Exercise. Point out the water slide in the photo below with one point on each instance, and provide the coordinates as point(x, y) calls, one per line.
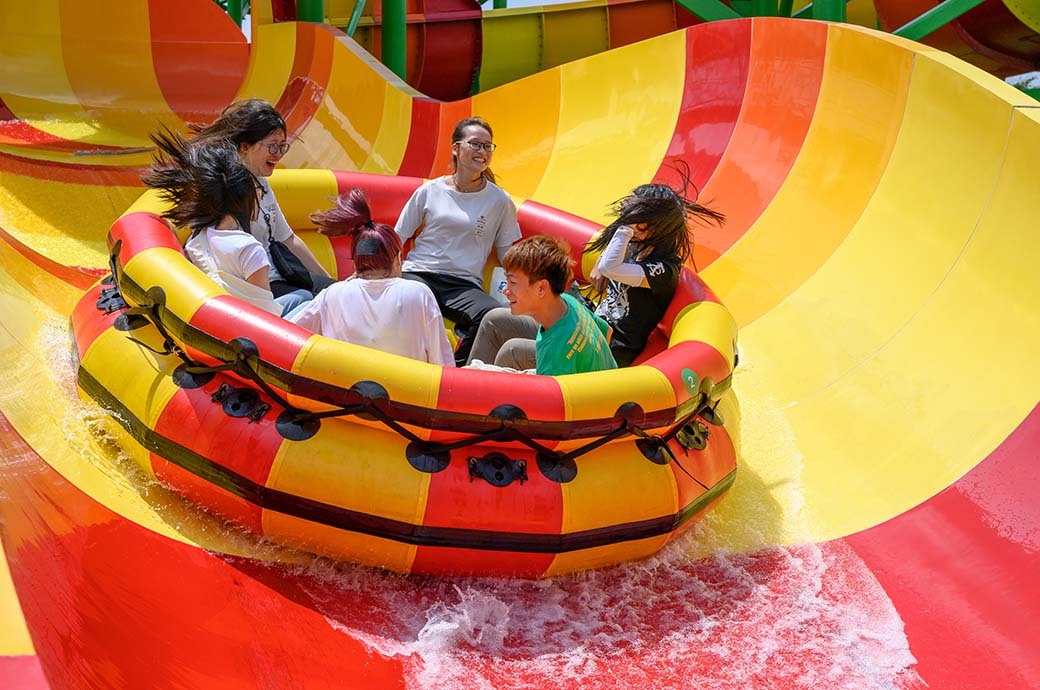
point(883, 530)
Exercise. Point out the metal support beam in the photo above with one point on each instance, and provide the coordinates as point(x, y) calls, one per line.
point(355, 17)
point(829, 10)
point(763, 8)
point(395, 37)
point(234, 10)
point(931, 20)
point(808, 11)
point(310, 11)
point(708, 10)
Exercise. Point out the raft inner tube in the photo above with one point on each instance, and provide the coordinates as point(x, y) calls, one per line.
point(379, 459)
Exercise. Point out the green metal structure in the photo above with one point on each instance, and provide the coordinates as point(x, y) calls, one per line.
point(395, 36)
point(394, 28)
point(936, 17)
point(311, 11)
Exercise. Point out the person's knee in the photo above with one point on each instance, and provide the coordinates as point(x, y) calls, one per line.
point(496, 319)
point(291, 300)
point(516, 353)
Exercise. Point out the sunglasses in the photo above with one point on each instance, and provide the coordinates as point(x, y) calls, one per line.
point(278, 149)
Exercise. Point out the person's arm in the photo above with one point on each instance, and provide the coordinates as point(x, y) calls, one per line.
point(508, 232)
point(304, 254)
point(611, 263)
point(412, 215)
point(308, 315)
point(259, 278)
point(281, 231)
point(251, 263)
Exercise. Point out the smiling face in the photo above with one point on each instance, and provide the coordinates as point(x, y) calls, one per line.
point(471, 162)
point(524, 296)
point(262, 157)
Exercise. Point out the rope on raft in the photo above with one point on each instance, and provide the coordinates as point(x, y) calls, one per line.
point(298, 424)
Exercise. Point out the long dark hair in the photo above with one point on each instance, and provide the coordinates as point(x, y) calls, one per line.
point(202, 183)
point(457, 136)
point(666, 212)
point(373, 246)
point(243, 122)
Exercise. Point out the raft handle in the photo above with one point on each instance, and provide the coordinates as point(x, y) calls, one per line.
point(497, 469)
point(110, 300)
point(240, 402)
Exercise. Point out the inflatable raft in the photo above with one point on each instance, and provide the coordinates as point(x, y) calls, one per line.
point(373, 458)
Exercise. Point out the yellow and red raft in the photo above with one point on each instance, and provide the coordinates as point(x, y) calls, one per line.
point(373, 458)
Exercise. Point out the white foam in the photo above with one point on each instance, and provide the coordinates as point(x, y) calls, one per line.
point(804, 617)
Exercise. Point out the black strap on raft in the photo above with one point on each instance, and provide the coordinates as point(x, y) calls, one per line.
point(373, 401)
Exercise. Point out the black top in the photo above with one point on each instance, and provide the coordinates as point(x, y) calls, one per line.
point(633, 312)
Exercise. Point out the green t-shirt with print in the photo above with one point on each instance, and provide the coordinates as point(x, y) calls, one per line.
point(575, 344)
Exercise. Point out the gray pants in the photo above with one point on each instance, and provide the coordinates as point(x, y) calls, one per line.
point(505, 340)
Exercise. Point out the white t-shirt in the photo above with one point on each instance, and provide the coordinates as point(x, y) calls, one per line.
point(459, 229)
point(389, 314)
point(269, 214)
point(229, 257)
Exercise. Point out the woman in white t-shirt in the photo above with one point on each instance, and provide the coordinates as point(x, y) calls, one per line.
point(257, 131)
point(376, 307)
point(463, 217)
point(212, 192)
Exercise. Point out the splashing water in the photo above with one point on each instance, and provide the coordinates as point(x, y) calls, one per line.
point(804, 617)
point(695, 615)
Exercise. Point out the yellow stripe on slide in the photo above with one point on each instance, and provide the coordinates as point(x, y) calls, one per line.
point(271, 61)
point(613, 134)
point(883, 386)
point(525, 136)
point(342, 140)
point(125, 101)
point(14, 636)
point(391, 140)
point(854, 127)
point(35, 86)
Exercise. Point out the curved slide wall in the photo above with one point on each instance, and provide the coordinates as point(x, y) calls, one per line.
point(878, 258)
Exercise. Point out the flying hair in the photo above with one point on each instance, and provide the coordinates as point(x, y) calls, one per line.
point(666, 212)
point(202, 183)
point(243, 122)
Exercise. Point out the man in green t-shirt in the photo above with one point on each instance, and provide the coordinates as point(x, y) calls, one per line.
point(571, 339)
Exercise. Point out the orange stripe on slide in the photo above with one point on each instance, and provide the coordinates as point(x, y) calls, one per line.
point(187, 48)
point(782, 90)
point(310, 73)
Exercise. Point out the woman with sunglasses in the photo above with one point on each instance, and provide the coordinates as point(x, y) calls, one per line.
point(256, 130)
point(463, 217)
